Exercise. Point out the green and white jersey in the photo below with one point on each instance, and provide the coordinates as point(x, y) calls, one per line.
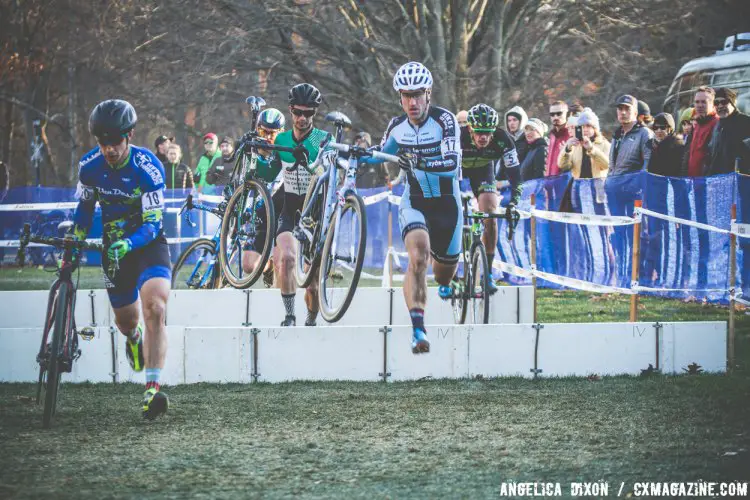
point(298, 180)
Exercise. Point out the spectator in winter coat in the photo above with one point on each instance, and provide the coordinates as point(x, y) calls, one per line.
point(667, 148)
point(699, 157)
point(727, 143)
point(161, 147)
point(587, 158)
point(534, 164)
point(177, 174)
point(629, 152)
point(211, 153)
point(558, 135)
point(221, 169)
point(515, 123)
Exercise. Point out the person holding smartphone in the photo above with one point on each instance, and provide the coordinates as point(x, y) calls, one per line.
point(586, 154)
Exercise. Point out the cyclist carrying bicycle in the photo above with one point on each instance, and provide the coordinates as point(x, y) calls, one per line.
point(304, 100)
point(487, 152)
point(128, 183)
point(427, 140)
point(271, 123)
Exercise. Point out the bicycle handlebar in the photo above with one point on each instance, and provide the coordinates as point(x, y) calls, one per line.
point(358, 152)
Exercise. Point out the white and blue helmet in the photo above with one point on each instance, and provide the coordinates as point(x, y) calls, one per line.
point(412, 76)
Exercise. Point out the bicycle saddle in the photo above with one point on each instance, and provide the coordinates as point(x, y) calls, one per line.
point(339, 119)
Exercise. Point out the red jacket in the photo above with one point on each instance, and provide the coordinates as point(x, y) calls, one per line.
point(699, 155)
point(556, 142)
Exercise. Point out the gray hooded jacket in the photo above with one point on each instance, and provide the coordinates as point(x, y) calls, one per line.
point(522, 147)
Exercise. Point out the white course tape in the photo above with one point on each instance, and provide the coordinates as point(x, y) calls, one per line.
point(370, 200)
point(739, 229)
point(585, 219)
point(393, 199)
point(16, 243)
point(19, 207)
point(638, 288)
point(511, 269)
point(677, 220)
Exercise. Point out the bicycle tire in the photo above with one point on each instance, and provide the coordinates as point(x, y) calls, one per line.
point(237, 210)
point(329, 311)
point(459, 301)
point(60, 329)
point(306, 257)
point(479, 285)
point(201, 244)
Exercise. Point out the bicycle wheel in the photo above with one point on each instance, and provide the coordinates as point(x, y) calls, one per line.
point(196, 267)
point(479, 289)
point(342, 258)
point(239, 228)
point(459, 301)
point(63, 315)
point(307, 256)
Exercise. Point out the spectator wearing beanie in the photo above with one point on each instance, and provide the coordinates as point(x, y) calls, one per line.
point(685, 127)
point(221, 169)
point(515, 123)
point(644, 114)
point(630, 151)
point(587, 158)
point(667, 148)
point(727, 143)
point(706, 119)
point(535, 162)
point(210, 153)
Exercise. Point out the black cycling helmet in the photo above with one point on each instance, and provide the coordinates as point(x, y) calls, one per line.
point(305, 94)
point(483, 118)
point(111, 120)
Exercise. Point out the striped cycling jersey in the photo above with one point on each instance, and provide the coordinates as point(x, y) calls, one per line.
point(296, 181)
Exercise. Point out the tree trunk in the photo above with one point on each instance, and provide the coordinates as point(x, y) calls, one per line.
point(72, 130)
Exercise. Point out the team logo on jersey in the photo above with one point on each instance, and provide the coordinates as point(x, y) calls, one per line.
point(144, 162)
point(84, 193)
point(88, 159)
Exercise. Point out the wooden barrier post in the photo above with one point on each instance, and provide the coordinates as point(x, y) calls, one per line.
point(533, 253)
point(732, 284)
point(636, 265)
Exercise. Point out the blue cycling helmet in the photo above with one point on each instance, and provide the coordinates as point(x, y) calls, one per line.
point(272, 118)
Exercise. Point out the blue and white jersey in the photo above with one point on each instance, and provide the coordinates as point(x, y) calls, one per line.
point(437, 144)
point(131, 196)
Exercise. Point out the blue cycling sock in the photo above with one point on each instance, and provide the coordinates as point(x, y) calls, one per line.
point(417, 318)
point(153, 375)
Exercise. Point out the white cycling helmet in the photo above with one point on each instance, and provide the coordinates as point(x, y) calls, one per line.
point(412, 76)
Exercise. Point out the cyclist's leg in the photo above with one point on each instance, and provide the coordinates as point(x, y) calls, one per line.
point(488, 202)
point(417, 241)
point(446, 227)
point(311, 301)
point(284, 256)
point(123, 297)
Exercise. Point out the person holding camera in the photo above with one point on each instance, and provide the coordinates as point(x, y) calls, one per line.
point(586, 153)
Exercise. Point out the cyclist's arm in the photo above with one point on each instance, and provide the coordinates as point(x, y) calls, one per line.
point(83, 216)
point(387, 145)
point(152, 214)
point(512, 168)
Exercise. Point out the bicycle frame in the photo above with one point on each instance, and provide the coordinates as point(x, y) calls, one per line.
point(212, 264)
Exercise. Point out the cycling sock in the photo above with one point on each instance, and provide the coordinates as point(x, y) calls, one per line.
point(417, 318)
point(490, 258)
point(152, 378)
point(311, 315)
point(133, 335)
point(288, 303)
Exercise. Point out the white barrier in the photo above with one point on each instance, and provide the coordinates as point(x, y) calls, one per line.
point(262, 307)
point(369, 353)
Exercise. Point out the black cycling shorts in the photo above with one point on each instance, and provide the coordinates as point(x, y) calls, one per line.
point(137, 267)
point(290, 213)
point(441, 217)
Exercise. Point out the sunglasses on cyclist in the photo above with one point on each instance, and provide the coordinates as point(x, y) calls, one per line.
point(307, 113)
point(110, 140)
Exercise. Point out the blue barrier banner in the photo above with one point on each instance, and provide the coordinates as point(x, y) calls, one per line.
point(677, 260)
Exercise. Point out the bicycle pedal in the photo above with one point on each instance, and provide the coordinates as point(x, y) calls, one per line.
point(87, 333)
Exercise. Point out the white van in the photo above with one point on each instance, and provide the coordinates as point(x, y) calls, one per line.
point(729, 67)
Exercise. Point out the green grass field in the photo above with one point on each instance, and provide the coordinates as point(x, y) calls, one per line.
point(431, 439)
